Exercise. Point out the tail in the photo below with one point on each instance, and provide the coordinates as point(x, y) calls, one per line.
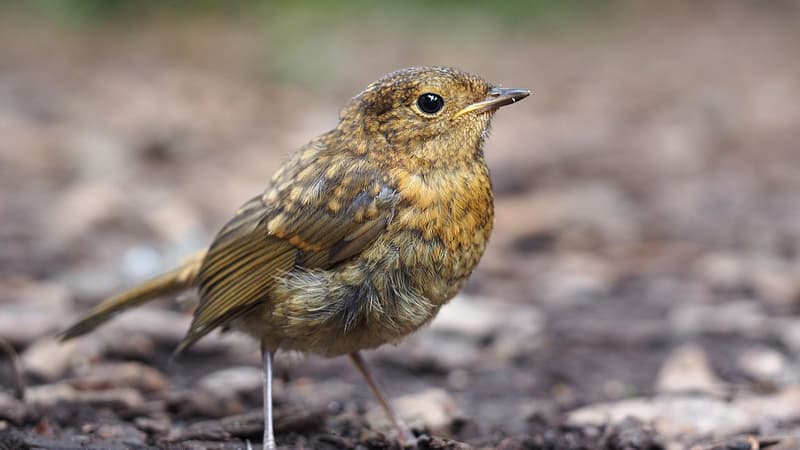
point(172, 282)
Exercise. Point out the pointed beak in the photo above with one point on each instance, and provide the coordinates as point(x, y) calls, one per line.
point(497, 97)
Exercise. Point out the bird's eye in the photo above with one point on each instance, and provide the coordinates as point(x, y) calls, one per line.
point(430, 103)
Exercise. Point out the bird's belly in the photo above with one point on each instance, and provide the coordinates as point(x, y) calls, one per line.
point(335, 312)
point(389, 291)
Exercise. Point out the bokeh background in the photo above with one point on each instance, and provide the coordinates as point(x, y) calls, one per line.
point(640, 291)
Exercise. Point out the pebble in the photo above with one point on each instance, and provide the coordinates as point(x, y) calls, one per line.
point(192, 403)
point(721, 270)
point(232, 381)
point(165, 327)
point(469, 316)
point(432, 409)
point(672, 416)
point(133, 374)
point(479, 317)
point(150, 425)
point(683, 416)
point(572, 279)
point(30, 310)
point(772, 279)
point(743, 317)
point(465, 324)
point(441, 353)
point(687, 370)
point(123, 433)
point(84, 207)
point(763, 363)
point(316, 392)
point(777, 282)
point(118, 398)
point(780, 406)
point(787, 331)
point(211, 430)
point(49, 358)
point(11, 409)
point(140, 263)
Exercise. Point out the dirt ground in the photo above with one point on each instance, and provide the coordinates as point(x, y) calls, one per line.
point(641, 290)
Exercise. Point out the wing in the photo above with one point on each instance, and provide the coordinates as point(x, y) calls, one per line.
point(311, 217)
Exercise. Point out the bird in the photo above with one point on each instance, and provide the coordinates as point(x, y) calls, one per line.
point(360, 237)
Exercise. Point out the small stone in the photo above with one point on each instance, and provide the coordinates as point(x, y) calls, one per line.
point(687, 370)
point(163, 326)
point(11, 409)
point(85, 206)
point(30, 310)
point(439, 353)
point(432, 409)
point(150, 425)
point(317, 393)
point(119, 398)
point(206, 430)
point(722, 270)
point(49, 358)
point(120, 375)
point(777, 282)
point(479, 317)
point(193, 403)
point(680, 416)
point(572, 279)
point(778, 407)
point(688, 417)
point(250, 423)
point(122, 433)
point(173, 221)
point(232, 381)
point(469, 316)
point(513, 329)
point(738, 317)
point(763, 363)
point(140, 262)
point(50, 394)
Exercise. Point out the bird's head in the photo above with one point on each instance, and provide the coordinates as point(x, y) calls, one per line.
point(432, 113)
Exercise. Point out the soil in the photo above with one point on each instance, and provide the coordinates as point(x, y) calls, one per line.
point(640, 291)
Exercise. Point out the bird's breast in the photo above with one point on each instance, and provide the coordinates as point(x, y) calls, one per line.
point(443, 224)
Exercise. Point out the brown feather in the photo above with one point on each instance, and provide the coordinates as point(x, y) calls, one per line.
point(262, 243)
point(171, 282)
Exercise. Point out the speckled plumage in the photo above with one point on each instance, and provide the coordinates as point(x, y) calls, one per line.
point(369, 228)
point(361, 236)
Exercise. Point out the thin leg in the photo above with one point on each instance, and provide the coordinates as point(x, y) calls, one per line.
point(269, 432)
point(404, 434)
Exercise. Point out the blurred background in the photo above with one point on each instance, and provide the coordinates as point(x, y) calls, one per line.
point(644, 263)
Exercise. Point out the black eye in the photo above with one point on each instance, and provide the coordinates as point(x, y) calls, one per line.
point(430, 103)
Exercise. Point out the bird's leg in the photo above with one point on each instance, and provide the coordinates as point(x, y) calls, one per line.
point(404, 434)
point(269, 432)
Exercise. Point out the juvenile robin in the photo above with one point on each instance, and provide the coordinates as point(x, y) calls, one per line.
point(360, 237)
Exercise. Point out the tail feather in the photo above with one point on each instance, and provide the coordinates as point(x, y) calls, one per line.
point(171, 282)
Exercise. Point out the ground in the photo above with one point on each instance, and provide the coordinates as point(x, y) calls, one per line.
point(640, 290)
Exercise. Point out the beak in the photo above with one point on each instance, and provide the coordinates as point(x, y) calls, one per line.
point(497, 97)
